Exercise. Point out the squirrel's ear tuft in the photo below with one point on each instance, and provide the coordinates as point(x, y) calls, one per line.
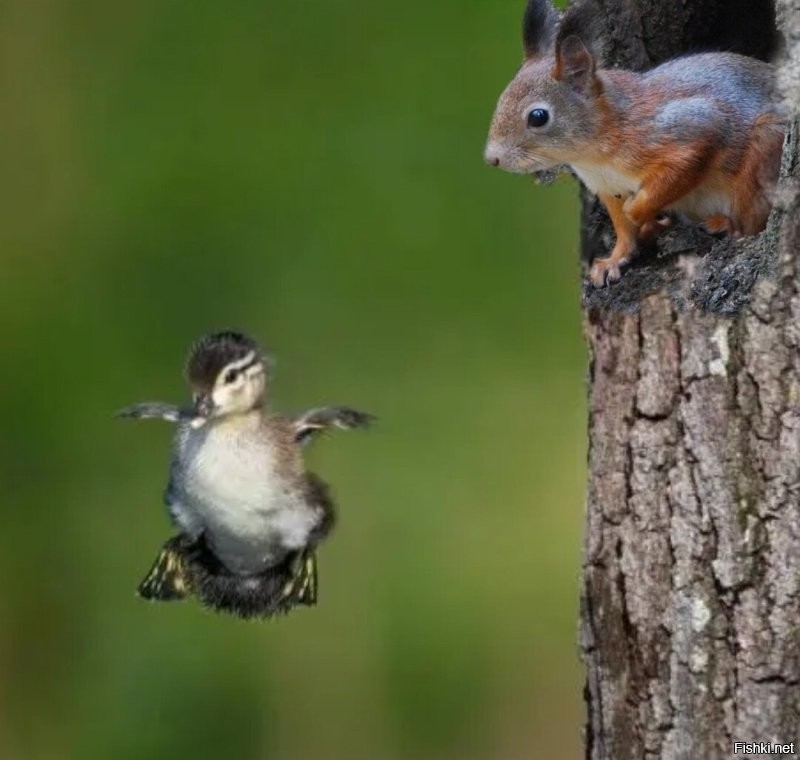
point(575, 63)
point(538, 28)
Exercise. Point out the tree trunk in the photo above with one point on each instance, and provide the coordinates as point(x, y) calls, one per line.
point(690, 621)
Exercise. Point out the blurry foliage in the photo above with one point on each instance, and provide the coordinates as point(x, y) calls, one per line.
point(310, 172)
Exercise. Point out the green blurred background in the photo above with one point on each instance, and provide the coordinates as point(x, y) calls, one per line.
point(310, 172)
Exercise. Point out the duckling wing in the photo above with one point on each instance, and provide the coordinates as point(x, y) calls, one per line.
point(156, 410)
point(307, 425)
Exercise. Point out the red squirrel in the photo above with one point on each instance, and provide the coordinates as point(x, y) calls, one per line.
point(700, 135)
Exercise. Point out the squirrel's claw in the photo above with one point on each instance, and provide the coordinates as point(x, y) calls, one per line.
point(606, 271)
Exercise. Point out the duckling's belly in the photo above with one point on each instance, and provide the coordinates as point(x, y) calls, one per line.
point(234, 492)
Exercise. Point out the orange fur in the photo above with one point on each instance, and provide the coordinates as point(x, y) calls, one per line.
point(752, 184)
point(671, 170)
point(700, 135)
point(719, 223)
point(608, 269)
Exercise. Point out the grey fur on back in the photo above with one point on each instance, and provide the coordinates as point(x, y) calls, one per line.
point(746, 83)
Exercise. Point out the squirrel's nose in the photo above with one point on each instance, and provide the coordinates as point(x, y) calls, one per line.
point(491, 156)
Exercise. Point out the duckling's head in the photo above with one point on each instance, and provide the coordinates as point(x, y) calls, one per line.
point(228, 373)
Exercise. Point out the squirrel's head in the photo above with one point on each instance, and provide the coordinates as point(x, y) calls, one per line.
point(548, 113)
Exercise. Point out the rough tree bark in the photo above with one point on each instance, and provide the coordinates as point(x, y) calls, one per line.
point(690, 621)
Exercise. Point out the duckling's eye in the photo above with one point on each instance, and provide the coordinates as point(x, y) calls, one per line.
point(230, 376)
point(538, 117)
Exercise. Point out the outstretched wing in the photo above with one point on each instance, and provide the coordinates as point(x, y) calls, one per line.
point(307, 425)
point(156, 410)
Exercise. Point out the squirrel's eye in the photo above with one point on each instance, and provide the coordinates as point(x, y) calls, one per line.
point(231, 375)
point(538, 117)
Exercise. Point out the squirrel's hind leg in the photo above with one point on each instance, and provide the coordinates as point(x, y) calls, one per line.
point(720, 223)
point(608, 270)
point(664, 185)
point(649, 231)
point(754, 182)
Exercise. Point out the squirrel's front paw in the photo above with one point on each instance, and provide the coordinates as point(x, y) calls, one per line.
point(606, 271)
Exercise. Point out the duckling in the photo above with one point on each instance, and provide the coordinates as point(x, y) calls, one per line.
point(249, 514)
